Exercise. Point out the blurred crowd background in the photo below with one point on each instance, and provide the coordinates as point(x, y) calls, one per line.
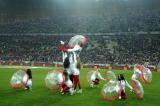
point(119, 31)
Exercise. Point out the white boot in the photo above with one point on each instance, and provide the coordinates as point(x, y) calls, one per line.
point(79, 91)
point(91, 85)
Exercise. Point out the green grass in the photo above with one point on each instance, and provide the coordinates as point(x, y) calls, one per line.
point(40, 96)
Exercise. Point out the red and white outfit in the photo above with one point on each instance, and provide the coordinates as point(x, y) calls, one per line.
point(95, 78)
point(76, 73)
point(125, 84)
point(29, 83)
point(73, 54)
point(137, 73)
point(67, 86)
point(64, 55)
point(76, 49)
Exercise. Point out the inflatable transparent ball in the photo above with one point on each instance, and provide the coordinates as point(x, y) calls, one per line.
point(77, 39)
point(54, 79)
point(89, 76)
point(138, 89)
point(110, 76)
point(111, 91)
point(147, 75)
point(19, 79)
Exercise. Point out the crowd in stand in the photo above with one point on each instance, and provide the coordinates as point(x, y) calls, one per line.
point(131, 21)
point(108, 49)
point(104, 49)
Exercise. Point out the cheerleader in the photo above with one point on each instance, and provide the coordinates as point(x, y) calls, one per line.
point(137, 72)
point(96, 77)
point(67, 86)
point(29, 82)
point(124, 83)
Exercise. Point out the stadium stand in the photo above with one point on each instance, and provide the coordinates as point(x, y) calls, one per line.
point(101, 49)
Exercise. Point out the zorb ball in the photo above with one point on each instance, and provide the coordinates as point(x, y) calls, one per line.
point(19, 80)
point(54, 80)
point(110, 76)
point(138, 89)
point(77, 39)
point(147, 75)
point(89, 76)
point(111, 91)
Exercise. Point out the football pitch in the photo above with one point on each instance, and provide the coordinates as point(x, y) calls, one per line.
point(41, 96)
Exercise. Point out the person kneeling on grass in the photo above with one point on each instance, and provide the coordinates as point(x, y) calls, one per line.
point(96, 76)
point(29, 82)
point(67, 86)
point(124, 84)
